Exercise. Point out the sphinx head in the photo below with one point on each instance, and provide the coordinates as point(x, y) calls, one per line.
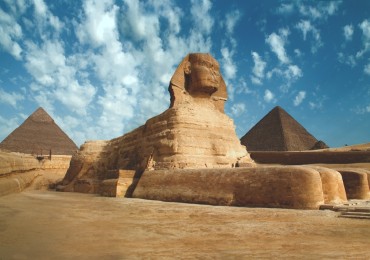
point(198, 75)
point(202, 74)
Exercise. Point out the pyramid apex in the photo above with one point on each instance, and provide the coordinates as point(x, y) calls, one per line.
point(278, 108)
point(40, 115)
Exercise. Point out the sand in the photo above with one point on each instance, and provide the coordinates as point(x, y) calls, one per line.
point(53, 225)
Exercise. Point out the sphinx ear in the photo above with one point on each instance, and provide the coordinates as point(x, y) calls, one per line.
point(187, 68)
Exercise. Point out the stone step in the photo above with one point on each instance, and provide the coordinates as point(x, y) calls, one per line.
point(343, 208)
point(356, 213)
point(355, 216)
point(352, 209)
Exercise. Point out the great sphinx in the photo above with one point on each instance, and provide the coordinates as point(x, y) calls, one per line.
point(194, 132)
point(191, 153)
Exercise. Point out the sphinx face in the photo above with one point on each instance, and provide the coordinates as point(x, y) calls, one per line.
point(204, 74)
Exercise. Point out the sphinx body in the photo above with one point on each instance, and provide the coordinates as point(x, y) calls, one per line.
point(193, 133)
point(188, 154)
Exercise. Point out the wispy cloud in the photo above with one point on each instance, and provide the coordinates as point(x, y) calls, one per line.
point(200, 13)
point(258, 69)
point(231, 19)
point(285, 8)
point(290, 74)
point(8, 125)
point(299, 98)
point(10, 98)
point(362, 110)
point(365, 28)
point(11, 33)
point(238, 109)
point(367, 69)
point(229, 66)
point(277, 44)
point(306, 27)
point(269, 96)
point(347, 59)
point(348, 32)
point(317, 10)
point(321, 10)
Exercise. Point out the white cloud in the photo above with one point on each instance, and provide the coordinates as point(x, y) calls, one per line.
point(277, 43)
point(238, 109)
point(99, 26)
point(7, 125)
point(44, 20)
point(349, 60)
point(348, 32)
point(299, 98)
point(11, 33)
point(269, 96)
point(367, 69)
point(40, 7)
point(285, 8)
point(258, 69)
point(10, 98)
point(365, 28)
point(59, 80)
point(290, 74)
point(228, 65)
point(297, 52)
point(362, 110)
point(231, 20)
point(321, 10)
point(293, 72)
point(306, 27)
point(200, 13)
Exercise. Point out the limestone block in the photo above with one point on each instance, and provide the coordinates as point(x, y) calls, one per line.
point(282, 187)
point(18, 171)
point(108, 188)
point(355, 182)
point(332, 185)
point(117, 183)
point(16, 183)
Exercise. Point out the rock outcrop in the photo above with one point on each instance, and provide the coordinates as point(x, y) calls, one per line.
point(19, 171)
point(355, 182)
point(281, 186)
point(193, 133)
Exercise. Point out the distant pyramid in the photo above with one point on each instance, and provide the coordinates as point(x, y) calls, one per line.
point(39, 134)
point(279, 131)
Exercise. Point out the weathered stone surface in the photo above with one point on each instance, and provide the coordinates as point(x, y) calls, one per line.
point(332, 185)
point(310, 157)
point(18, 171)
point(193, 133)
point(284, 187)
point(355, 182)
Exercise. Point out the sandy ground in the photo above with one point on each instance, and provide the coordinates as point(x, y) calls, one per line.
point(52, 225)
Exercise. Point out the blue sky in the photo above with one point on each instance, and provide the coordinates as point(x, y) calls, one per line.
point(101, 68)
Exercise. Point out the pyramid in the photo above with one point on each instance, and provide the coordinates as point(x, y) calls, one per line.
point(39, 134)
point(279, 131)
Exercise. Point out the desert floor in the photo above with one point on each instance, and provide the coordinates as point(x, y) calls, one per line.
point(52, 225)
